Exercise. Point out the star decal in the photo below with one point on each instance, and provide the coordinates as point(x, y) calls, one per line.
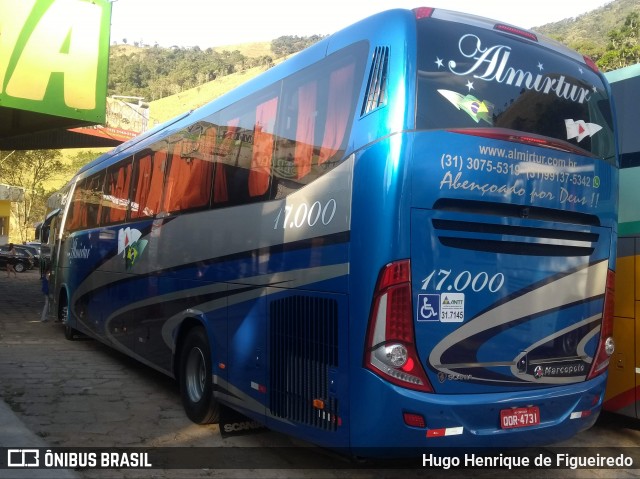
point(540, 67)
point(469, 85)
point(439, 62)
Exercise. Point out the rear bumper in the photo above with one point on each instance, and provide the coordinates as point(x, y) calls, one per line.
point(470, 420)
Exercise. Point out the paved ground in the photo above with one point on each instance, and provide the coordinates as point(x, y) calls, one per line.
point(74, 394)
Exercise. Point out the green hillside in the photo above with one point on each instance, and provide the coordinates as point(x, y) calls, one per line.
point(171, 106)
point(589, 32)
point(592, 26)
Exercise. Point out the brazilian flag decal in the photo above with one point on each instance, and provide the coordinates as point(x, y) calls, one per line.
point(131, 245)
point(133, 252)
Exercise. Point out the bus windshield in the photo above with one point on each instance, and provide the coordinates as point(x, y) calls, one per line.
point(487, 79)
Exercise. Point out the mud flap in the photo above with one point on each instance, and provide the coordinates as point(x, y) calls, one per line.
point(232, 423)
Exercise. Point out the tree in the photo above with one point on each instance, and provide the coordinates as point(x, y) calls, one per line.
point(30, 169)
point(289, 44)
point(80, 159)
point(624, 45)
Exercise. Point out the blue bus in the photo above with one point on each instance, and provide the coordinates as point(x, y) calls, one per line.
point(403, 236)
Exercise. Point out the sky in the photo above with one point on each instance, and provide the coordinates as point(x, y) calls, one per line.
point(211, 23)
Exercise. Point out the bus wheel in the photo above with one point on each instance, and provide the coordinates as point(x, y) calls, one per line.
point(196, 387)
point(69, 332)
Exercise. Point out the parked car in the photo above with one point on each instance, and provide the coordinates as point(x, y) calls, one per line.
point(35, 244)
point(23, 259)
point(41, 261)
point(33, 249)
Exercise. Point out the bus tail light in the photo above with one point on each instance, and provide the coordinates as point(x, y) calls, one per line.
point(414, 420)
point(606, 344)
point(516, 31)
point(390, 351)
point(423, 12)
point(591, 64)
point(517, 137)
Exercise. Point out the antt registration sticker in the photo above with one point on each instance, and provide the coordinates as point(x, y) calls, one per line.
point(452, 307)
point(445, 307)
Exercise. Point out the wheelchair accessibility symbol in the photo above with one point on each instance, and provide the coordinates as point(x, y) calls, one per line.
point(428, 307)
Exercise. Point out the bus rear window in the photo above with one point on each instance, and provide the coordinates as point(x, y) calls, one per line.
point(472, 77)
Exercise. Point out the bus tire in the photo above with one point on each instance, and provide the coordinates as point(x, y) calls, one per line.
point(196, 388)
point(69, 332)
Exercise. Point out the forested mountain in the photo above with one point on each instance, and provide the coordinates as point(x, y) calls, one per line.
point(593, 26)
point(154, 72)
point(610, 34)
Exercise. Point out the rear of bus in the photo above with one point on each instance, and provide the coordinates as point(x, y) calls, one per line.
point(483, 233)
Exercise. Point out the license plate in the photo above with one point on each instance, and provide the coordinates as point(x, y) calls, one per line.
point(519, 417)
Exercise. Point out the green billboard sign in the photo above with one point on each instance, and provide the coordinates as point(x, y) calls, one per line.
point(54, 57)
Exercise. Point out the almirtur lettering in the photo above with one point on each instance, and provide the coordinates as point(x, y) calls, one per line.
point(491, 63)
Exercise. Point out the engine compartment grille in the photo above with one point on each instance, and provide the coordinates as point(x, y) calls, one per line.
point(304, 350)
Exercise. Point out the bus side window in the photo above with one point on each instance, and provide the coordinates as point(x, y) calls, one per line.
point(247, 162)
point(316, 119)
point(260, 173)
point(93, 199)
point(116, 193)
point(340, 104)
point(85, 204)
point(223, 151)
point(148, 173)
point(270, 145)
point(188, 183)
point(296, 139)
point(76, 216)
point(306, 125)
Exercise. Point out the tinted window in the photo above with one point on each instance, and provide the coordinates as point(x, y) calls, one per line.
point(318, 107)
point(86, 202)
point(190, 169)
point(148, 180)
point(259, 148)
point(287, 135)
point(472, 77)
point(116, 193)
point(244, 157)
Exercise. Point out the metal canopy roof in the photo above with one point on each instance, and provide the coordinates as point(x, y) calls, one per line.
point(28, 130)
